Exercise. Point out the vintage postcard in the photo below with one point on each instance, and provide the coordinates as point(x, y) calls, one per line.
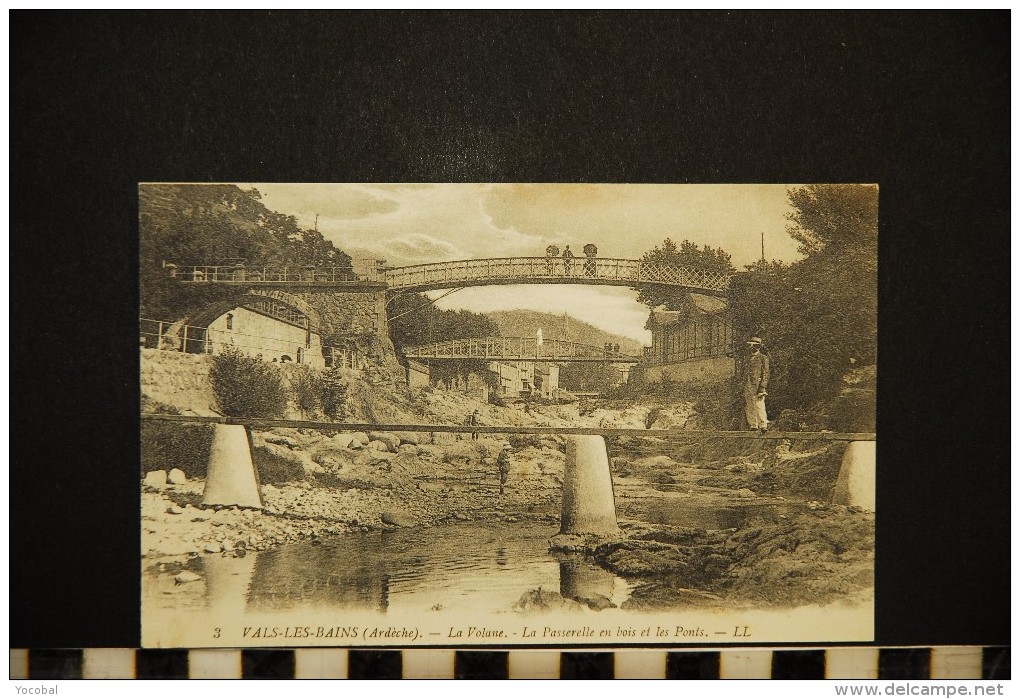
point(507, 414)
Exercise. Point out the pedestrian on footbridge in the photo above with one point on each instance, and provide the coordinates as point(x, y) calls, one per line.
point(590, 251)
point(568, 260)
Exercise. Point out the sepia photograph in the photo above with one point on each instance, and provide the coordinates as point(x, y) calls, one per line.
point(448, 415)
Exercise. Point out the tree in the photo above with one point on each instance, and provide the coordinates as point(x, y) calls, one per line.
point(414, 320)
point(688, 254)
point(818, 316)
point(207, 224)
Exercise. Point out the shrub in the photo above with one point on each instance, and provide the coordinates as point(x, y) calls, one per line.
point(275, 469)
point(306, 386)
point(167, 445)
point(247, 387)
point(333, 394)
point(150, 405)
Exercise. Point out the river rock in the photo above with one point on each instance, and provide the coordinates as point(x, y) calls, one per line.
point(213, 548)
point(186, 576)
point(408, 449)
point(409, 438)
point(361, 438)
point(174, 510)
point(397, 518)
point(156, 479)
point(655, 462)
point(344, 439)
point(176, 477)
point(378, 445)
point(747, 493)
point(280, 439)
point(391, 440)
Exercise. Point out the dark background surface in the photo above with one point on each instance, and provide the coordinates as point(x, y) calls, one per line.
point(918, 102)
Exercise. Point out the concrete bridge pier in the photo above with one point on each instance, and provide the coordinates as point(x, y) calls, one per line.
point(855, 484)
point(230, 478)
point(589, 506)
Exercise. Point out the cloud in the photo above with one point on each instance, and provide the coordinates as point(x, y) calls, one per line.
point(627, 220)
point(328, 201)
point(423, 247)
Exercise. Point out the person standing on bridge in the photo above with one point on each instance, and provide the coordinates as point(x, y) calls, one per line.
point(551, 252)
point(503, 464)
point(568, 260)
point(590, 251)
point(756, 383)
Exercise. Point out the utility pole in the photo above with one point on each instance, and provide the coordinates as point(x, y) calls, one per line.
point(763, 248)
point(317, 228)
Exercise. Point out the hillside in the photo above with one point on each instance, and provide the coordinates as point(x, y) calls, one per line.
point(214, 224)
point(524, 323)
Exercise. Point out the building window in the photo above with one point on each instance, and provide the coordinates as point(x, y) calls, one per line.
point(230, 321)
point(300, 355)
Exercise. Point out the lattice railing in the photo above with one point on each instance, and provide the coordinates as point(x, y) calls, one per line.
point(360, 271)
point(554, 269)
point(439, 275)
point(516, 349)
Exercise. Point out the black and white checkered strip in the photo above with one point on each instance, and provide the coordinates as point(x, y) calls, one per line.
point(968, 662)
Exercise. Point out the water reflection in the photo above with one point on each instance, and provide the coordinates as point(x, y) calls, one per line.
point(469, 567)
point(466, 567)
point(583, 581)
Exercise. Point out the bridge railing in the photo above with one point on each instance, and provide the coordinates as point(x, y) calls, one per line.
point(555, 269)
point(275, 275)
point(513, 348)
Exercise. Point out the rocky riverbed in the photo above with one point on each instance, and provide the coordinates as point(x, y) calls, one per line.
point(716, 523)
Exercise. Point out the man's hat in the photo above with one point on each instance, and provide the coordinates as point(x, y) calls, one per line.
point(754, 341)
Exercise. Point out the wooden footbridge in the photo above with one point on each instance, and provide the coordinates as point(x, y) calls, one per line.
point(516, 349)
point(463, 273)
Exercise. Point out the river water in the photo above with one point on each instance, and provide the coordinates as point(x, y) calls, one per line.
point(465, 567)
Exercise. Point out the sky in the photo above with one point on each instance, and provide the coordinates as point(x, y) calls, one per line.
point(414, 223)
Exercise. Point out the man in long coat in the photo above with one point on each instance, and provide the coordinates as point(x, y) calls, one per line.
point(756, 384)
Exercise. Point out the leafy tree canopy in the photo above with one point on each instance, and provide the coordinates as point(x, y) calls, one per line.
point(687, 254)
point(415, 320)
point(834, 219)
point(818, 316)
point(215, 224)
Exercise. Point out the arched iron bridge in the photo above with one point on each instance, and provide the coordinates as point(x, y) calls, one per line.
point(462, 273)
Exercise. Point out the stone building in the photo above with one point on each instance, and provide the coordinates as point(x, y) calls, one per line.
point(522, 379)
point(264, 328)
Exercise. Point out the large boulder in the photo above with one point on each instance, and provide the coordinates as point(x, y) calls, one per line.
point(391, 440)
point(361, 438)
point(409, 438)
point(155, 479)
point(176, 477)
point(378, 445)
point(344, 439)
